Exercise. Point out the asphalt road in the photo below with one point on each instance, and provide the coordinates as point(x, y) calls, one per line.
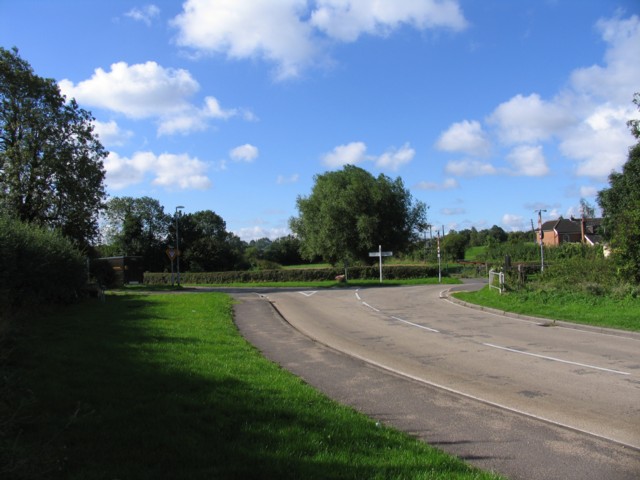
point(506, 394)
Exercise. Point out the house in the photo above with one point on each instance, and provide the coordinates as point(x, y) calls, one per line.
point(572, 230)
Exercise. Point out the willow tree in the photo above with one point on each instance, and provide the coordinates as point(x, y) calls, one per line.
point(350, 212)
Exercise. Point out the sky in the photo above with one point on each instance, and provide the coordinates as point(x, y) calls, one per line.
point(488, 110)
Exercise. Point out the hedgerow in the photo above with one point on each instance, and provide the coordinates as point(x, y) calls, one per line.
point(37, 266)
point(391, 272)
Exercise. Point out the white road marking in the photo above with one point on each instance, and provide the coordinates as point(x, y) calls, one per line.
point(556, 359)
point(308, 294)
point(416, 325)
point(372, 308)
point(358, 296)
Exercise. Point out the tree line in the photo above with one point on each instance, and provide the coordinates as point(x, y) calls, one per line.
point(52, 179)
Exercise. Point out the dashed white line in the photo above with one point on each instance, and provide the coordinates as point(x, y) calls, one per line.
point(416, 325)
point(556, 359)
point(372, 308)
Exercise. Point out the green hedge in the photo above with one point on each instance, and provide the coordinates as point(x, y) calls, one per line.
point(37, 266)
point(391, 272)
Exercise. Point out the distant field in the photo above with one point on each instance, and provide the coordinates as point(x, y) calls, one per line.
point(472, 253)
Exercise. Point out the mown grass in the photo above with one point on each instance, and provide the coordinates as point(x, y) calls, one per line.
point(151, 386)
point(578, 306)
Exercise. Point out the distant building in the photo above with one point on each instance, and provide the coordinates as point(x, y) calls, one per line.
point(572, 230)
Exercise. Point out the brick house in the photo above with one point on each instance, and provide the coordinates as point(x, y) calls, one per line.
point(572, 230)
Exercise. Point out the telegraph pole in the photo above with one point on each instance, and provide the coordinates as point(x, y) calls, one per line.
point(540, 236)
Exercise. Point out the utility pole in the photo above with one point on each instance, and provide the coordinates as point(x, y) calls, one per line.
point(541, 236)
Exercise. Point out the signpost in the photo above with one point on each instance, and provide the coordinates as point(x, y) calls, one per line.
point(172, 253)
point(380, 254)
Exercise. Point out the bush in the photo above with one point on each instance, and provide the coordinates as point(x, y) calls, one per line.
point(391, 272)
point(38, 266)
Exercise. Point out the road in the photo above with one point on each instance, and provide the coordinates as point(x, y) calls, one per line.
point(565, 393)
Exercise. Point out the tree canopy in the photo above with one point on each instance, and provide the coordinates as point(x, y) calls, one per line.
point(350, 212)
point(620, 205)
point(51, 170)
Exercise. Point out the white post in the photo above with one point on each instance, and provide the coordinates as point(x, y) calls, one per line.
point(380, 256)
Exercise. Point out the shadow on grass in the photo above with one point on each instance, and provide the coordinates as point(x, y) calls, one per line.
point(126, 390)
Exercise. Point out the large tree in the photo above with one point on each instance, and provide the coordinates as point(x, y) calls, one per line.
point(620, 205)
point(350, 212)
point(51, 163)
point(137, 226)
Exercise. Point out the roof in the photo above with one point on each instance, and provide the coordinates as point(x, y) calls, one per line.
point(572, 225)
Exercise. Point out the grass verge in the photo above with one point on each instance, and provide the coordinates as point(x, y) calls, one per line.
point(577, 307)
point(163, 386)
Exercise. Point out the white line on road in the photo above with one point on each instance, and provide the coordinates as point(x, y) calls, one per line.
point(416, 325)
point(372, 308)
point(556, 359)
point(308, 294)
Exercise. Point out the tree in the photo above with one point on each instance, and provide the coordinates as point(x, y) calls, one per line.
point(350, 212)
point(620, 204)
point(137, 226)
point(51, 163)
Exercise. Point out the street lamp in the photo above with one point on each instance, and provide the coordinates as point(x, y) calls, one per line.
point(178, 241)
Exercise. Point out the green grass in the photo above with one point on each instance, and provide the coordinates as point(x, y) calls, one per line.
point(577, 307)
point(163, 386)
point(471, 253)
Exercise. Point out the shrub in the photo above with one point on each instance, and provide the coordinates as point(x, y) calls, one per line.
point(38, 266)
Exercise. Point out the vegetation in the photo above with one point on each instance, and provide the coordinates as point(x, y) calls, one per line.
point(39, 266)
point(162, 386)
point(51, 170)
point(621, 208)
point(350, 212)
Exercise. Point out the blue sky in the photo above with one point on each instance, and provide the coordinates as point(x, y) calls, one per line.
point(488, 110)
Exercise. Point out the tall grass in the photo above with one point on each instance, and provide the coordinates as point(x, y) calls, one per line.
point(162, 386)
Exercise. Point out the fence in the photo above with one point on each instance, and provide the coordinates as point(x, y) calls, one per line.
point(492, 280)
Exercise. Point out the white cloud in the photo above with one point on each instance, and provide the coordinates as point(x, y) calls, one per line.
point(529, 119)
point(145, 14)
point(349, 154)
point(453, 211)
point(283, 180)
point(110, 134)
point(138, 91)
point(448, 184)
point(588, 191)
point(257, 232)
point(466, 137)
point(470, 168)
point(260, 28)
point(528, 161)
point(293, 34)
point(346, 20)
point(148, 90)
point(394, 159)
point(244, 153)
point(514, 222)
point(170, 171)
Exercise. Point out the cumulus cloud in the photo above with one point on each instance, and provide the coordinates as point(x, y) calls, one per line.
point(244, 153)
point(529, 119)
point(284, 180)
point(171, 171)
point(257, 232)
point(528, 161)
point(447, 184)
point(110, 134)
point(346, 20)
point(145, 14)
point(148, 90)
point(587, 119)
point(395, 158)
point(470, 168)
point(466, 137)
point(293, 34)
point(514, 222)
point(349, 154)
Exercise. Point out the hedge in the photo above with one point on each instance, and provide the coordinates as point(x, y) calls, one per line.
point(37, 266)
point(391, 272)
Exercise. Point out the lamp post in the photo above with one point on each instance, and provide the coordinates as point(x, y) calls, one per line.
point(178, 241)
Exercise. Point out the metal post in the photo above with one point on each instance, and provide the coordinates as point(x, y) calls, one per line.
point(380, 257)
point(178, 242)
point(540, 237)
